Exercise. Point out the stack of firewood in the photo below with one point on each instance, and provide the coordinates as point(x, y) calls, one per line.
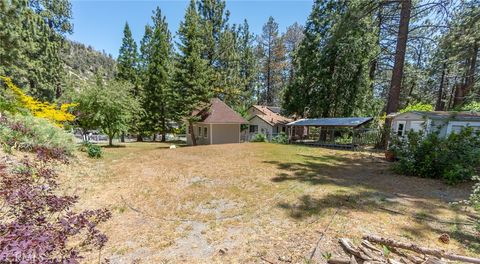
point(394, 252)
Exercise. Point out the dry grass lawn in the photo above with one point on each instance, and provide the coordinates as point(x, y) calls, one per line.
point(247, 203)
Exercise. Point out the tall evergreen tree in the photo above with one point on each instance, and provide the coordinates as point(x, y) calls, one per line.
point(272, 55)
point(32, 39)
point(332, 62)
point(213, 19)
point(248, 65)
point(159, 97)
point(193, 71)
point(127, 62)
point(228, 79)
point(292, 38)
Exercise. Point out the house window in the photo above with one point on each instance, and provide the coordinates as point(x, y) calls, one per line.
point(400, 128)
point(253, 128)
point(205, 132)
point(199, 131)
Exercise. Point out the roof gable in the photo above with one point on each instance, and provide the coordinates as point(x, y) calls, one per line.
point(271, 115)
point(219, 112)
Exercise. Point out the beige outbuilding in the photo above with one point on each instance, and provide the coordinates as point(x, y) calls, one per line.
point(217, 124)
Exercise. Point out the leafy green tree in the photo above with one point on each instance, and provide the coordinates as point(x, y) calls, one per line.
point(110, 107)
point(192, 70)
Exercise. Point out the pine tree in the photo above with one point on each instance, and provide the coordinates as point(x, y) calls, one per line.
point(213, 18)
point(32, 39)
point(127, 62)
point(272, 54)
point(292, 38)
point(332, 62)
point(193, 71)
point(248, 65)
point(397, 74)
point(159, 97)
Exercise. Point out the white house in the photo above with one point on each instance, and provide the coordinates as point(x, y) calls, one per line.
point(442, 122)
point(266, 120)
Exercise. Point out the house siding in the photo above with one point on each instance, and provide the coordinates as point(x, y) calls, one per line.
point(442, 126)
point(225, 133)
point(263, 127)
point(201, 140)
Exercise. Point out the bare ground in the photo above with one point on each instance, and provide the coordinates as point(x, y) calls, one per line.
point(258, 203)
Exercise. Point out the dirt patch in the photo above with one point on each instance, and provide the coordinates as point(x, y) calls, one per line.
point(240, 203)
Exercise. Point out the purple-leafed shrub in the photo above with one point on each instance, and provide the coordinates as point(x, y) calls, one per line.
point(37, 225)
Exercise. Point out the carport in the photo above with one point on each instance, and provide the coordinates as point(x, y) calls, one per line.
point(338, 132)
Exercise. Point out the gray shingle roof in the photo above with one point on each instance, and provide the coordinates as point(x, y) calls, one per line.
point(332, 122)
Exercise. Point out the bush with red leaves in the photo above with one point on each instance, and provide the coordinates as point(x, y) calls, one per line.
point(36, 224)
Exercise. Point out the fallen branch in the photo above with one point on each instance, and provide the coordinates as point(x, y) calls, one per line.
point(421, 250)
point(349, 248)
point(338, 261)
point(323, 234)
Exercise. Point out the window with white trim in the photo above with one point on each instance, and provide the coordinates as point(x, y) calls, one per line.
point(199, 131)
point(205, 132)
point(401, 128)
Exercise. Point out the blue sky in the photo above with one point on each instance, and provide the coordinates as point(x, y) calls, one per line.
point(100, 23)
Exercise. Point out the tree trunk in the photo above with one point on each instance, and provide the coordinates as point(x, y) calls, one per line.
point(154, 137)
point(192, 133)
point(397, 74)
point(139, 138)
point(440, 106)
point(110, 141)
point(164, 126)
point(463, 90)
point(374, 62)
point(122, 137)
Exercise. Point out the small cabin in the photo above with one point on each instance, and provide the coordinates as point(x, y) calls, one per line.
point(442, 122)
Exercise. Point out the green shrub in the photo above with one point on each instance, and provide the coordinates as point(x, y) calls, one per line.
point(93, 151)
point(259, 138)
point(453, 159)
point(281, 138)
point(28, 133)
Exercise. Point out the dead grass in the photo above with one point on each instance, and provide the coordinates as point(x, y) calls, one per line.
point(240, 202)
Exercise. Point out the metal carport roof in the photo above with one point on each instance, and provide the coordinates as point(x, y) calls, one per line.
point(332, 122)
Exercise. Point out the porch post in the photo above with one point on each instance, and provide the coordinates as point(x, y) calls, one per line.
point(211, 133)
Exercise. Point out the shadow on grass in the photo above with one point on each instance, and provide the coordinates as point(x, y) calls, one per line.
point(307, 206)
point(114, 146)
point(366, 184)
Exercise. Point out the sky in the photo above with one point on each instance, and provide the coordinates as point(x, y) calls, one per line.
point(100, 23)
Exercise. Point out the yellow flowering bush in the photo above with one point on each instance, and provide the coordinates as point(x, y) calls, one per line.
point(51, 112)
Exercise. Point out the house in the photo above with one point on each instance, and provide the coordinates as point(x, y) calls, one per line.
point(217, 124)
point(442, 122)
point(266, 120)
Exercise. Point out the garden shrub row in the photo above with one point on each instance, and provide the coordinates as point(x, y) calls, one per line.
point(454, 159)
